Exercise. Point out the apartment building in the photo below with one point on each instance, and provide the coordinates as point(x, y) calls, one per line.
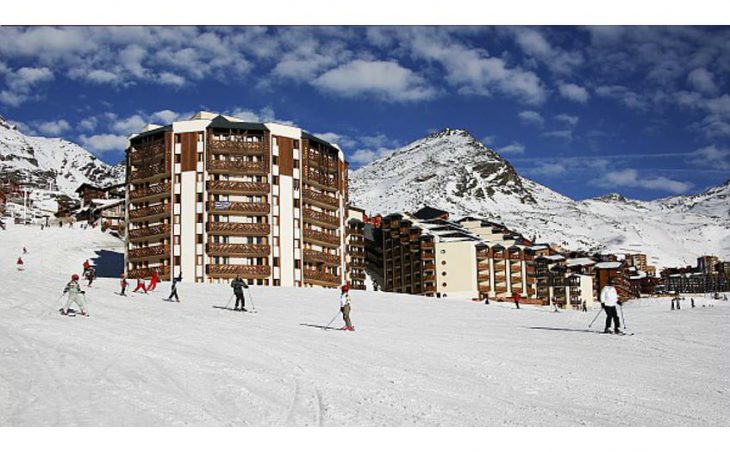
point(355, 256)
point(213, 197)
point(707, 264)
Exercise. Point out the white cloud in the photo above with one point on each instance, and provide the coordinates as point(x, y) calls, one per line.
point(336, 138)
point(513, 148)
point(564, 134)
point(166, 116)
point(365, 156)
point(88, 124)
point(567, 119)
point(21, 84)
point(630, 177)
point(531, 117)
point(102, 76)
point(53, 128)
point(99, 144)
point(129, 125)
point(549, 169)
point(702, 80)
point(386, 80)
point(489, 140)
point(623, 95)
point(574, 92)
point(168, 78)
point(534, 44)
point(712, 157)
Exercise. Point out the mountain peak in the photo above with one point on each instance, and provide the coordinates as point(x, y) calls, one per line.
point(614, 197)
point(447, 132)
point(4, 123)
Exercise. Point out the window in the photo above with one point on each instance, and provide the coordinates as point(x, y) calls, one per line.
point(443, 285)
point(177, 260)
point(275, 180)
point(276, 262)
point(178, 138)
point(443, 262)
point(443, 273)
point(199, 238)
point(200, 218)
point(275, 160)
point(200, 198)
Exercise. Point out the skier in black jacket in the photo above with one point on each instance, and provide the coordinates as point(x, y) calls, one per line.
point(238, 285)
point(173, 290)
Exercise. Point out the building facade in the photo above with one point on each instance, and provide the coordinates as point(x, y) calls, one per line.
point(213, 197)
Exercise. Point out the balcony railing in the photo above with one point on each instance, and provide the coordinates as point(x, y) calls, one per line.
point(238, 188)
point(318, 256)
point(151, 211)
point(237, 167)
point(149, 252)
point(355, 253)
point(237, 147)
point(147, 152)
point(320, 180)
point(153, 191)
point(231, 271)
point(149, 232)
point(321, 237)
point(242, 208)
point(483, 254)
point(321, 278)
point(159, 169)
point(238, 249)
point(244, 229)
point(163, 271)
point(329, 165)
point(483, 266)
point(321, 218)
point(320, 199)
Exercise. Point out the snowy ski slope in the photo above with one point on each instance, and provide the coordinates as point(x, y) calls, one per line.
point(412, 361)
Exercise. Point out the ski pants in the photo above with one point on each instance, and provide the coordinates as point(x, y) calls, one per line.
point(611, 314)
point(123, 289)
point(517, 304)
point(140, 286)
point(346, 315)
point(152, 286)
point(78, 299)
point(174, 294)
point(240, 299)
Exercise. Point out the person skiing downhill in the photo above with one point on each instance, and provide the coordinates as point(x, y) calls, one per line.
point(123, 284)
point(90, 276)
point(86, 267)
point(516, 298)
point(238, 285)
point(345, 307)
point(25, 251)
point(609, 300)
point(153, 282)
point(173, 289)
point(140, 285)
point(20, 264)
point(74, 290)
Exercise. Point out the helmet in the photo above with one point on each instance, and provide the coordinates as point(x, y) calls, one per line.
point(74, 277)
point(345, 287)
point(122, 275)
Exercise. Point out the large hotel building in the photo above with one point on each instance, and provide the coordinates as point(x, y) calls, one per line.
point(213, 197)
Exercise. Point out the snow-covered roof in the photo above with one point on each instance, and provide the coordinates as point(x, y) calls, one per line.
point(106, 203)
point(609, 265)
point(553, 257)
point(579, 261)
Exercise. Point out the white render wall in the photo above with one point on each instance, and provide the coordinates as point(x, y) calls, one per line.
point(187, 225)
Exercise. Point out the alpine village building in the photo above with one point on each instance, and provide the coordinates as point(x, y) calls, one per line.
point(214, 197)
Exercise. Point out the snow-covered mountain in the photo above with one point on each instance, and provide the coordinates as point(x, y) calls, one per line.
point(452, 170)
point(40, 161)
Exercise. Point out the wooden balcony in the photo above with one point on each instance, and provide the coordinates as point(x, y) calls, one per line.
point(149, 253)
point(239, 229)
point(149, 213)
point(320, 218)
point(428, 255)
point(319, 256)
point(163, 272)
point(321, 238)
point(483, 254)
point(484, 286)
point(149, 233)
point(429, 267)
point(500, 279)
point(154, 171)
point(153, 192)
point(324, 164)
point(322, 200)
point(429, 277)
point(237, 167)
point(237, 249)
point(357, 254)
point(229, 271)
point(356, 240)
point(147, 153)
point(320, 180)
point(236, 147)
point(238, 208)
point(321, 278)
point(238, 188)
point(427, 245)
point(483, 266)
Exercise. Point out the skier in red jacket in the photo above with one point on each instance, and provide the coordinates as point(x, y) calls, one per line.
point(140, 285)
point(20, 264)
point(153, 283)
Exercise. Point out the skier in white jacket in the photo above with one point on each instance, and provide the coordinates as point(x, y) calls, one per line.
point(75, 295)
point(609, 300)
point(345, 307)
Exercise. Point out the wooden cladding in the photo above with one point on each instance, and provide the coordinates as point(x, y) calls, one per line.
point(238, 249)
point(149, 252)
point(286, 155)
point(150, 192)
point(163, 271)
point(189, 151)
point(232, 271)
point(322, 278)
point(318, 256)
point(238, 188)
point(243, 229)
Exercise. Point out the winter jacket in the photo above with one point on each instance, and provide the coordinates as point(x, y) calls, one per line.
point(175, 281)
point(238, 285)
point(344, 300)
point(609, 296)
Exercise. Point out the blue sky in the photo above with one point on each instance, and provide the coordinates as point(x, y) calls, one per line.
point(643, 111)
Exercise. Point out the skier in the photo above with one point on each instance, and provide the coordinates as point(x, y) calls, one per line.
point(345, 307)
point(486, 299)
point(25, 251)
point(692, 302)
point(516, 298)
point(173, 290)
point(238, 285)
point(73, 290)
point(86, 267)
point(21, 265)
point(123, 284)
point(153, 282)
point(609, 299)
point(678, 305)
point(585, 307)
point(140, 285)
point(90, 276)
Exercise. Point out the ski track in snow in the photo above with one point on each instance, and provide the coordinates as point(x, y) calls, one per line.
point(413, 361)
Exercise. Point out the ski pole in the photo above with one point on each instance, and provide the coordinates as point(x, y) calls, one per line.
point(595, 318)
point(229, 302)
point(250, 298)
point(330, 323)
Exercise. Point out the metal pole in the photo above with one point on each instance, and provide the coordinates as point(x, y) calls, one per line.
point(595, 318)
point(229, 302)
point(250, 298)
point(621, 307)
point(330, 323)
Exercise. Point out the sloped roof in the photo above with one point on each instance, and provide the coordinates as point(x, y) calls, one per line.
point(429, 213)
point(609, 265)
point(221, 122)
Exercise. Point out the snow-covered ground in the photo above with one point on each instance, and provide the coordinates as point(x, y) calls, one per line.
point(412, 361)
